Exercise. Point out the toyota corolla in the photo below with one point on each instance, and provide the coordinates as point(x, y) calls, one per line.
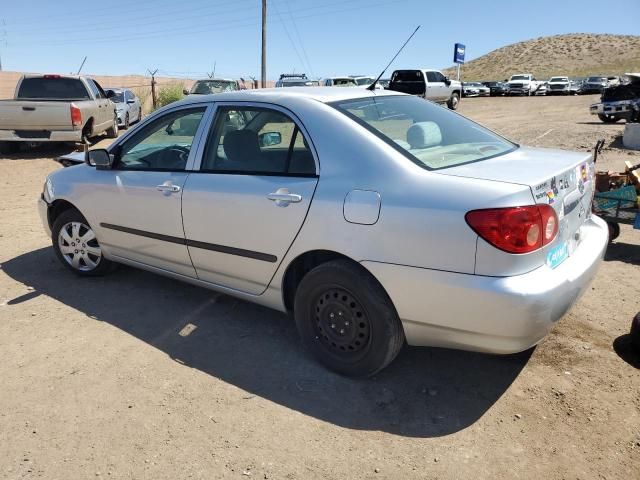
point(375, 218)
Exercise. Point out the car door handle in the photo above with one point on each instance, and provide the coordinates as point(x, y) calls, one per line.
point(283, 197)
point(168, 187)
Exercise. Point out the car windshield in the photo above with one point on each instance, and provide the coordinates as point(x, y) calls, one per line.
point(595, 79)
point(364, 81)
point(204, 87)
point(344, 82)
point(117, 97)
point(520, 77)
point(558, 79)
point(429, 135)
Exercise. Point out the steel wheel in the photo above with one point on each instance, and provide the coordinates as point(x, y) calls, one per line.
point(341, 323)
point(78, 246)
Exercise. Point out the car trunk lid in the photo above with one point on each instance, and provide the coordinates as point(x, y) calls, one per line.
point(563, 180)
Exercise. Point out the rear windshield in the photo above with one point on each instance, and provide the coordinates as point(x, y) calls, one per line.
point(53, 89)
point(428, 134)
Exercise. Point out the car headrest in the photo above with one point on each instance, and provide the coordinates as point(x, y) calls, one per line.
point(424, 135)
point(242, 146)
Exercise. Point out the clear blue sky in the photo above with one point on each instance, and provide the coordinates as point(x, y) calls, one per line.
point(321, 38)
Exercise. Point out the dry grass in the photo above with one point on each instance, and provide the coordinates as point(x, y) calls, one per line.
point(575, 54)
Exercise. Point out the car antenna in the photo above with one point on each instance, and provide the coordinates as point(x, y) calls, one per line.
point(372, 87)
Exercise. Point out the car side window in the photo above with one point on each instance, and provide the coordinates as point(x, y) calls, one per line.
point(256, 141)
point(163, 144)
point(93, 88)
point(101, 92)
point(431, 77)
point(127, 95)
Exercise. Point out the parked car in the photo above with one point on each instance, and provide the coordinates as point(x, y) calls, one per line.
point(366, 81)
point(594, 85)
point(558, 85)
point(523, 84)
point(475, 89)
point(428, 84)
point(496, 88)
point(295, 80)
point(128, 106)
point(619, 103)
point(338, 82)
point(213, 85)
point(441, 232)
point(56, 108)
point(541, 90)
point(575, 87)
point(384, 82)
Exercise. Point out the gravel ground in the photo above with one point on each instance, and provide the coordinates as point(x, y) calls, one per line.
point(134, 376)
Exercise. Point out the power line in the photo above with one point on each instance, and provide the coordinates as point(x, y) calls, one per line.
point(304, 51)
point(286, 30)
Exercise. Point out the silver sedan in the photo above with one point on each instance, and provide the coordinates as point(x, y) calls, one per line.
point(375, 218)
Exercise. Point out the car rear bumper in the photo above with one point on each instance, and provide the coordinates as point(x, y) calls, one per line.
point(490, 314)
point(41, 136)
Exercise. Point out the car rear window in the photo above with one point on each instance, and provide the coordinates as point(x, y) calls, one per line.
point(53, 88)
point(429, 135)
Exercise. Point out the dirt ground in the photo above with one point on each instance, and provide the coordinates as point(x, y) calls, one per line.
point(134, 376)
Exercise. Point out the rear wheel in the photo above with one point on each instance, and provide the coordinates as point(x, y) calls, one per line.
point(346, 319)
point(76, 245)
point(608, 118)
point(614, 231)
point(454, 101)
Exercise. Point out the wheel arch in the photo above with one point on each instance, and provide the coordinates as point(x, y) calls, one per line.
point(87, 129)
point(56, 209)
point(304, 263)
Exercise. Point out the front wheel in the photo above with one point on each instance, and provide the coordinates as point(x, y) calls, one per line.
point(346, 319)
point(454, 101)
point(608, 118)
point(76, 245)
point(112, 132)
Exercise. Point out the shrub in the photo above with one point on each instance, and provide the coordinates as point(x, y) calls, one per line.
point(169, 94)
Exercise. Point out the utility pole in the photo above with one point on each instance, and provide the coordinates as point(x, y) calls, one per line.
point(263, 71)
point(153, 87)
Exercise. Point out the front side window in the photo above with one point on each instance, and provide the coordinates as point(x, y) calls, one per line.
point(429, 135)
point(163, 144)
point(256, 141)
point(116, 97)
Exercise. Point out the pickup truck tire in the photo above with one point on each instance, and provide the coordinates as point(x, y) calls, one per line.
point(113, 131)
point(608, 118)
point(9, 147)
point(453, 101)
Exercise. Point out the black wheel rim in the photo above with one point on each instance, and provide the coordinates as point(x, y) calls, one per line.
point(342, 325)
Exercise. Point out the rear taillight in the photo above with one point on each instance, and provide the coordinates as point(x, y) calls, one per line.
point(76, 116)
point(515, 229)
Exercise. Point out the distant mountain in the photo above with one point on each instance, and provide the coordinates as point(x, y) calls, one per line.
point(574, 54)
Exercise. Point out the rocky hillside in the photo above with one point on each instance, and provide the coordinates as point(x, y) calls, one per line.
point(575, 54)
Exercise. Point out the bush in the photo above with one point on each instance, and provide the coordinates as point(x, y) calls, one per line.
point(169, 94)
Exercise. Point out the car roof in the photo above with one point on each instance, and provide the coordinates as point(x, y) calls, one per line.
point(280, 95)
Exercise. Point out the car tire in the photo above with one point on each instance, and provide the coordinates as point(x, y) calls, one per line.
point(453, 101)
point(112, 132)
point(635, 333)
point(139, 115)
point(126, 121)
point(608, 118)
point(82, 255)
point(614, 231)
point(346, 319)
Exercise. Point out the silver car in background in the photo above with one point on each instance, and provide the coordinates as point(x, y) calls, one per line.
point(128, 106)
point(375, 218)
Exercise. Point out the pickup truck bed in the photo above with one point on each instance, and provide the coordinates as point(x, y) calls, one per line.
point(37, 121)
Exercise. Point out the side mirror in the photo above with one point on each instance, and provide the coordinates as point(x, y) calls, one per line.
point(185, 91)
point(131, 100)
point(447, 80)
point(269, 139)
point(100, 158)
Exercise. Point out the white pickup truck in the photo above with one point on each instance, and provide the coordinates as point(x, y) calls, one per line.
point(523, 84)
point(428, 84)
point(56, 108)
